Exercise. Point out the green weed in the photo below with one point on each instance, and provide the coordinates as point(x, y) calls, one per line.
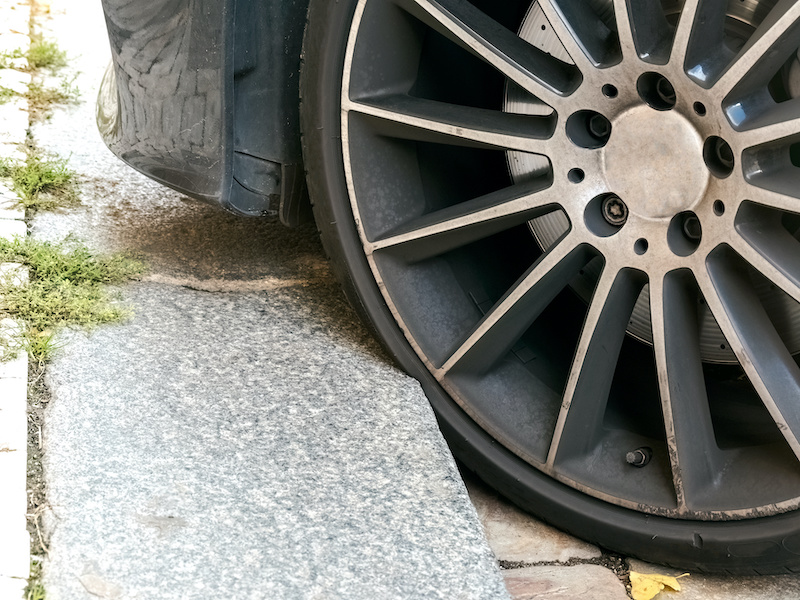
point(41, 97)
point(7, 58)
point(41, 182)
point(35, 589)
point(6, 94)
point(45, 54)
point(41, 54)
point(67, 286)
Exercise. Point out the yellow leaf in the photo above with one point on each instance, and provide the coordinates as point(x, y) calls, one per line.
point(648, 586)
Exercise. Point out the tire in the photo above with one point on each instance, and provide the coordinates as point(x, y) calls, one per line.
point(584, 245)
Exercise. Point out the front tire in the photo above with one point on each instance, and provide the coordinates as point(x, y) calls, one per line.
point(616, 361)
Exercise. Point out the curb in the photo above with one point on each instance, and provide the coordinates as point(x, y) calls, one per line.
point(15, 548)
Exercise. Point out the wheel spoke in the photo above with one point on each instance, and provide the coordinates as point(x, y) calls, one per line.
point(624, 29)
point(586, 395)
point(643, 30)
point(703, 15)
point(773, 252)
point(695, 459)
point(505, 323)
point(783, 122)
point(752, 337)
point(532, 69)
point(773, 199)
point(470, 221)
point(438, 122)
point(586, 46)
point(767, 49)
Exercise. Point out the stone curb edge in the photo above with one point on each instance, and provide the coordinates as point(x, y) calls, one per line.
point(15, 547)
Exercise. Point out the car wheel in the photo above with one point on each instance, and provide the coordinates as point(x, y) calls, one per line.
point(576, 223)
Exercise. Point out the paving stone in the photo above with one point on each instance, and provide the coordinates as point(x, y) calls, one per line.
point(11, 149)
point(14, 80)
point(592, 582)
point(12, 588)
point(10, 228)
point(14, 560)
point(14, 120)
point(718, 587)
point(515, 536)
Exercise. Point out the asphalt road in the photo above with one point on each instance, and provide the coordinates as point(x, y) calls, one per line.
point(241, 435)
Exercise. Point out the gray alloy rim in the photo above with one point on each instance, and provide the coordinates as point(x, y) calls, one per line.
point(666, 146)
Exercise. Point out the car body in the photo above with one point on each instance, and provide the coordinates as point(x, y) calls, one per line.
point(575, 222)
point(203, 98)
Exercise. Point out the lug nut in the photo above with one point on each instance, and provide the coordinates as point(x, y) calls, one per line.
point(615, 212)
point(599, 127)
point(724, 153)
point(639, 457)
point(692, 229)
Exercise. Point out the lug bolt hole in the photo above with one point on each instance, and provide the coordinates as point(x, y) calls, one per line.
point(605, 215)
point(700, 109)
point(718, 156)
point(656, 91)
point(588, 129)
point(719, 208)
point(576, 175)
point(684, 233)
point(640, 246)
point(610, 91)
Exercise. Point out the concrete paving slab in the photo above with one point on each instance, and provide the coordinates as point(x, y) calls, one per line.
point(264, 451)
point(718, 587)
point(14, 116)
point(515, 536)
point(564, 583)
point(15, 80)
point(12, 588)
point(10, 228)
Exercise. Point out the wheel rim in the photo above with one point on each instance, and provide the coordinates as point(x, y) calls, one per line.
point(639, 346)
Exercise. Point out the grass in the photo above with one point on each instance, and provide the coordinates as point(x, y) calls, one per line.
point(6, 94)
point(45, 54)
point(42, 181)
point(41, 97)
point(41, 54)
point(68, 286)
point(35, 589)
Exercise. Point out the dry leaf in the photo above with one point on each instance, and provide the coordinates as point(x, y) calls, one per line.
point(647, 586)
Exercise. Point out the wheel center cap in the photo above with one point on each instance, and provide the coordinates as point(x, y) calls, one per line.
point(654, 162)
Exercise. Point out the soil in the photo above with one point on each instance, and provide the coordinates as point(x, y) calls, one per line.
point(38, 399)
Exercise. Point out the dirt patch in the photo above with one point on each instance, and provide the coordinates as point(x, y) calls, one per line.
point(38, 400)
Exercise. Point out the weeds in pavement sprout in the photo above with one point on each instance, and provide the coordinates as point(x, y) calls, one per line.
point(41, 182)
point(6, 94)
point(42, 54)
point(41, 97)
point(66, 286)
point(35, 589)
point(45, 54)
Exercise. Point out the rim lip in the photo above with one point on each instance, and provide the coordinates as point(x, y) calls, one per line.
point(772, 510)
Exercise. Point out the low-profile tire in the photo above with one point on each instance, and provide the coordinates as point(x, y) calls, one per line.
point(616, 360)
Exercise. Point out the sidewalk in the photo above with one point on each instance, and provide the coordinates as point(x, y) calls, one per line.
point(15, 547)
